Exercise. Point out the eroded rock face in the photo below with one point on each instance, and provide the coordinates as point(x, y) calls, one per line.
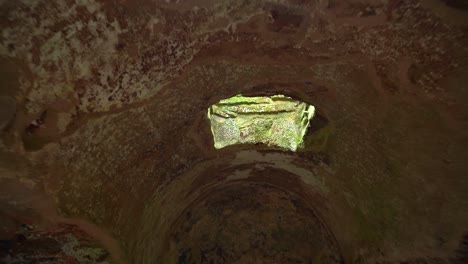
point(282, 229)
point(110, 126)
point(60, 244)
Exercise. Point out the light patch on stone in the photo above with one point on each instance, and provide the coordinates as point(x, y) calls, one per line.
point(65, 43)
point(279, 161)
point(91, 5)
point(239, 174)
point(63, 119)
point(221, 12)
point(275, 121)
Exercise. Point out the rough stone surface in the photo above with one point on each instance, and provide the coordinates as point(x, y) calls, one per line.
point(382, 177)
point(60, 244)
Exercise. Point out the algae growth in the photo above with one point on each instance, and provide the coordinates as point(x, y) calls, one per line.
point(272, 120)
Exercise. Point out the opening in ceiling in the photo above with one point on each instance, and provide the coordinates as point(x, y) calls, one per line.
point(272, 120)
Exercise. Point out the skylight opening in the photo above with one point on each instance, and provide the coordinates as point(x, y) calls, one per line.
point(272, 120)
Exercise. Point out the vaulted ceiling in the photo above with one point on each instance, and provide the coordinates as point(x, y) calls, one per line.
point(104, 128)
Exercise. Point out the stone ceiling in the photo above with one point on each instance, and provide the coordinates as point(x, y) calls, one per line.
point(104, 131)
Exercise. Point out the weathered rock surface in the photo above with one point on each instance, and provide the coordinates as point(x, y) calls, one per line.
point(94, 135)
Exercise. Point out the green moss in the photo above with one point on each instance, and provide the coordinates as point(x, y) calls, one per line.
point(317, 141)
point(276, 120)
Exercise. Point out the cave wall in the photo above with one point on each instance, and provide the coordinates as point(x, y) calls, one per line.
point(125, 139)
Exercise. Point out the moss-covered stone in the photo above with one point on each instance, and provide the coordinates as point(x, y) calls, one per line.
point(276, 121)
